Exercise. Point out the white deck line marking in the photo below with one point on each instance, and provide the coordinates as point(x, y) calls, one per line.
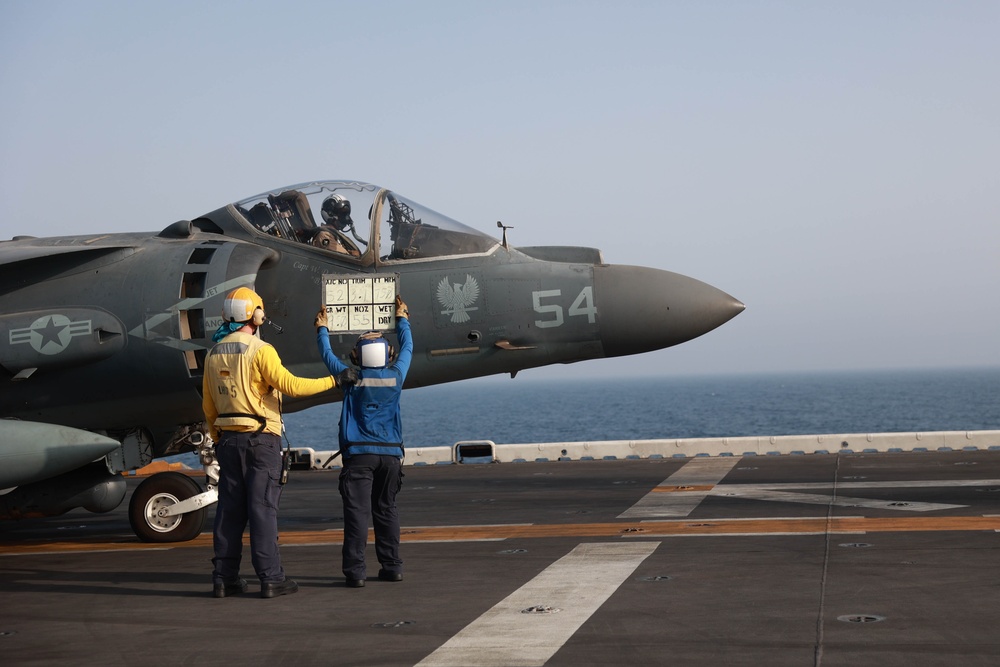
point(915, 484)
point(696, 472)
point(705, 472)
point(577, 584)
point(770, 494)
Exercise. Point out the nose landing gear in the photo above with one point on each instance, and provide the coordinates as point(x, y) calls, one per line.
point(170, 506)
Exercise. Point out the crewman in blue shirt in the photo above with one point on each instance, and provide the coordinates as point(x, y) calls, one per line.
point(371, 442)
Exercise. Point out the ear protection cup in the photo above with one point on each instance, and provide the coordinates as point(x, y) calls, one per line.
point(258, 317)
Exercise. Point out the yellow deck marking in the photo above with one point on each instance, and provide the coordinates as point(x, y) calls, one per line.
point(632, 529)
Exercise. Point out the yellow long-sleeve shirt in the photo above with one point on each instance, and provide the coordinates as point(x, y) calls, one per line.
point(244, 376)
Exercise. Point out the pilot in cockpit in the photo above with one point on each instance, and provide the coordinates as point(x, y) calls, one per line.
point(336, 212)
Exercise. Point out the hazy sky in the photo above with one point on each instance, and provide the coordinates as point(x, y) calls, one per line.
point(836, 166)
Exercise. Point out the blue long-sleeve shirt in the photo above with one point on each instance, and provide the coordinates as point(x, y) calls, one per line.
point(370, 421)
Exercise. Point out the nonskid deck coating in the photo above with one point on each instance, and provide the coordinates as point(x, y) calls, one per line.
point(757, 580)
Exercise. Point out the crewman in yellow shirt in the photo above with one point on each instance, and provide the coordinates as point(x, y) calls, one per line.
point(242, 387)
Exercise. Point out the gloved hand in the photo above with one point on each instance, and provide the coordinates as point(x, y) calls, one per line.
point(346, 378)
point(401, 310)
point(321, 319)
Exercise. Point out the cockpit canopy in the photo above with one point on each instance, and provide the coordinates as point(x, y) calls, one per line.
point(362, 221)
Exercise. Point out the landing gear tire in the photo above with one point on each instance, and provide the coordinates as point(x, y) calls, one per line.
point(159, 492)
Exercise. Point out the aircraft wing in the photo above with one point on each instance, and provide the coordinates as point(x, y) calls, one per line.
point(22, 253)
point(24, 264)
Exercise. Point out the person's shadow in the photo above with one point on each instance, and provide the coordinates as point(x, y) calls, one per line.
point(156, 584)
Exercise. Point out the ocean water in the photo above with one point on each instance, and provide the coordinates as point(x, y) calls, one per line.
point(537, 410)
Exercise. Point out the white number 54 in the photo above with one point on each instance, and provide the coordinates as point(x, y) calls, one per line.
point(582, 305)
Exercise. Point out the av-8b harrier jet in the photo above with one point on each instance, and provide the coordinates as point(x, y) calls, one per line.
point(103, 337)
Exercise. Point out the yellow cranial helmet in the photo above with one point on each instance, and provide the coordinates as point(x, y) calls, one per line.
point(241, 304)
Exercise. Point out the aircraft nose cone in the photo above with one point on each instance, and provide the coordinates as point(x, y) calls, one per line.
point(642, 309)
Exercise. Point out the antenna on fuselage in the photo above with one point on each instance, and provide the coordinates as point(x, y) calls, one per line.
point(504, 228)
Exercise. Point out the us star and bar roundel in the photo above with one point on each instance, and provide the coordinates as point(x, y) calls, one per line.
point(357, 304)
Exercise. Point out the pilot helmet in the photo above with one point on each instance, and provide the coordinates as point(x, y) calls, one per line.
point(372, 351)
point(241, 305)
point(336, 211)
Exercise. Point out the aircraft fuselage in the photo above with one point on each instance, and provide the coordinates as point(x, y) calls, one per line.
point(109, 333)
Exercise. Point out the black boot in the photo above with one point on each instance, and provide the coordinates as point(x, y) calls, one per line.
point(272, 589)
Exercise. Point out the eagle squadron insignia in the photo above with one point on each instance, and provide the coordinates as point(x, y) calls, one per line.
point(457, 298)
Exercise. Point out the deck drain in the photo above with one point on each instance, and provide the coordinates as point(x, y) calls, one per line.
point(541, 609)
point(657, 577)
point(634, 530)
point(507, 552)
point(899, 504)
point(397, 624)
point(861, 618)
point(855, 545)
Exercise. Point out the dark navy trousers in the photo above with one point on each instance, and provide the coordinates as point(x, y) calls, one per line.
point(368, 486)
point(249, 491)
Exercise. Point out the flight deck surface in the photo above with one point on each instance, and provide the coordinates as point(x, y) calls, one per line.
point(837, 559)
